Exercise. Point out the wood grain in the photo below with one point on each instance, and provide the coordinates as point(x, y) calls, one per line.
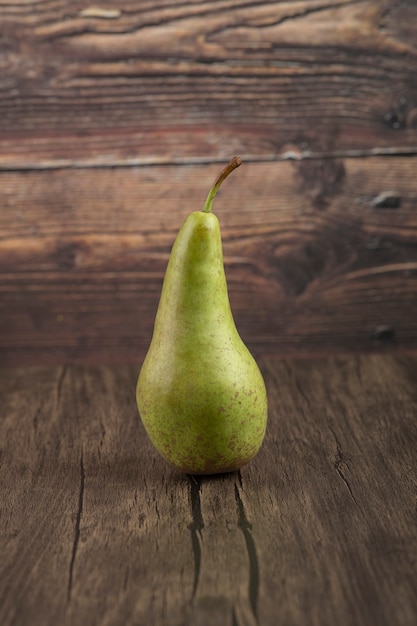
point(320, 256)
point(164, 82)
point(319, 529)
point(114, 119)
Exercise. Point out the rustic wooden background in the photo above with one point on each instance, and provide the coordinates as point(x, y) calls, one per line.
point(114, 120)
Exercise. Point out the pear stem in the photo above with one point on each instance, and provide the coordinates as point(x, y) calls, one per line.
point(234, 163)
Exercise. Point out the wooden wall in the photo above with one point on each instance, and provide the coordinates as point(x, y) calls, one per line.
point(114, 120)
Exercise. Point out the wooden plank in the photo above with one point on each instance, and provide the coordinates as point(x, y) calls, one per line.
point(319, 529)
point(182, 82)
point(78, 530)
point(320, 255)
point(339, 459)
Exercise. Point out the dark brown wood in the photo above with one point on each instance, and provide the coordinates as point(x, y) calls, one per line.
point(321, 256)
point(319, 529)
point(173, 81)
point(115, 119)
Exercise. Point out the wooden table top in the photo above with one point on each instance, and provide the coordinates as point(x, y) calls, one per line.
point(319, 529)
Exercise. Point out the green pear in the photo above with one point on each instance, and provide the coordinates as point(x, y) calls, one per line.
point(200, 393)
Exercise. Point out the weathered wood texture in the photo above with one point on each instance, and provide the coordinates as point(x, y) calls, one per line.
point(107, 117)
point(168, 81)
point(315, 260)
point(320, 529)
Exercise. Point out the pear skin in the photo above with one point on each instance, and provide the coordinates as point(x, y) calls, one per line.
point(200, 393)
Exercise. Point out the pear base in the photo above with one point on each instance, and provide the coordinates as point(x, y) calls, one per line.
point(211, 468)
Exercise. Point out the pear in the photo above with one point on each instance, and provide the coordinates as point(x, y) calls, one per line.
point(200, 393)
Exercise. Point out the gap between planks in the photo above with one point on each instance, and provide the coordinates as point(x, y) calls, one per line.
point(291, 155)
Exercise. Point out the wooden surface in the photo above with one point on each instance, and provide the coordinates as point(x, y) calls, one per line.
point(320, 529)
point(169, 81)
point(114, 120)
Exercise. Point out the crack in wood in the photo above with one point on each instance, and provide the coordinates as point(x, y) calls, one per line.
point(77, 528)
point(246, 528)
point(126, 577)
point(273, 23)
point(59, 384)
point(195, 528)
point(158, 515)
point(306, 12)
point(339, 461)
point(35, 419)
